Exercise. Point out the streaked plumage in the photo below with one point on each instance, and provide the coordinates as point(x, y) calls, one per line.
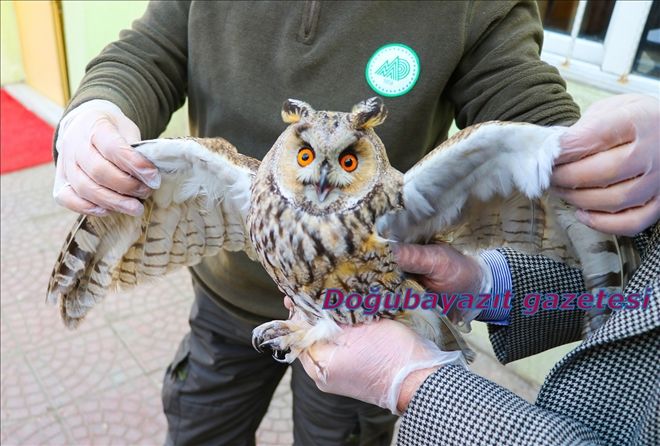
point(323, 218)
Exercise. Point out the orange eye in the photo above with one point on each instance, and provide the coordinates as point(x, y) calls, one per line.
point(305, 156)
point(348, 162)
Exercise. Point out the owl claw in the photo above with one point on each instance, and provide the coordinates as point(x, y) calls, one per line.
point(276, 345)
point(267, 344)
point(282, 356)
point(279, 337)
point(271, 335)
point(278, 355)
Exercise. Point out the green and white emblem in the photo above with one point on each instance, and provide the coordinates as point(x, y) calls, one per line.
point(393, 70)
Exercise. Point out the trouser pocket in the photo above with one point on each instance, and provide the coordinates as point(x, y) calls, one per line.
point(175, 377)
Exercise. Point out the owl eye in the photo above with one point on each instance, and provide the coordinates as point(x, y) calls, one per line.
point(305, 156)
point(348, 162)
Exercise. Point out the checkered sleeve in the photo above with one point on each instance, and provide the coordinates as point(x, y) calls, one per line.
point(456, 407)
point(526, 335)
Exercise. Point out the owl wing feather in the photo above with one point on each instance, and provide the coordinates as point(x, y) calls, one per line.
point(486, 187)
point(200, 208)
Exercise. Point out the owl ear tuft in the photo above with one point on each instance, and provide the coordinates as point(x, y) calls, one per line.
point(368, 113)
point(294, 110)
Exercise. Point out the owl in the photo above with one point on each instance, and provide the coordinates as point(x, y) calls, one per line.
point(321, 212)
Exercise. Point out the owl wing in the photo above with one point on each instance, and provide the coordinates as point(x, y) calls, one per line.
point(486, 187)
point(200, 208)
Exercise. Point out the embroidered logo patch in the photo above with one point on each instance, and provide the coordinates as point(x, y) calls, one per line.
point(393, 70)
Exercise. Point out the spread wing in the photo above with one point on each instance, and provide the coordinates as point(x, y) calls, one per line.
point(200, 208)
point(485, 187)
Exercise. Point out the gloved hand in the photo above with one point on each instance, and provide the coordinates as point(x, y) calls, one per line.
point(382, 363)
point(610, 165)
point(97, 169)
point(441, 268)
point(385, 362)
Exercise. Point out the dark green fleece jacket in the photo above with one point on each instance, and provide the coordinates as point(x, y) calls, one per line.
point(236, 62)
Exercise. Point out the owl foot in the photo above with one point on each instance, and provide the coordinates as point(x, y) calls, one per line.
point(282, 337)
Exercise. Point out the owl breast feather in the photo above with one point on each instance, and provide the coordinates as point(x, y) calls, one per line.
point(307, 254)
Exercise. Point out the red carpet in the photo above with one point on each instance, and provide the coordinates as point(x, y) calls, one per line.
point(25, 139)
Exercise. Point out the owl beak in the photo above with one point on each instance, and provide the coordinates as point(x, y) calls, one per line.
point(323, 188)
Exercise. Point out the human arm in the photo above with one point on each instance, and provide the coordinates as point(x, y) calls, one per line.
point(501, 76)
point(462, 408)
point(529, 334)
point(128, 93)
point(458, 407)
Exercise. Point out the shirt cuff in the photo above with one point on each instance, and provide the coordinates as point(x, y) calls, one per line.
point(501, 284)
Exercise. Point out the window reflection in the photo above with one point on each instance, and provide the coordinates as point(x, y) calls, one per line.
point(558, 16)
point(647, 60)
point(596, 19)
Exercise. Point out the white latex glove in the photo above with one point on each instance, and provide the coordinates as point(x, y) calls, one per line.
point(610, 165)
point(97, 169)
point(382, 363)
point(443, 269)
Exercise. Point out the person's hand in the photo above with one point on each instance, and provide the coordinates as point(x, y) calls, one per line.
point(385, 362)
point(441, 268)
point(97, 169)
point(381, 363)
point(610, 165)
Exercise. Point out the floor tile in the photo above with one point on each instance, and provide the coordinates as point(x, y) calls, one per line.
point(38, 324)
point(84, 365)
point(153, 337)
point(127, 414)
point(21, 394)
point(42, 430)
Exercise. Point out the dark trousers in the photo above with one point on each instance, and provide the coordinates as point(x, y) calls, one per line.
point(217, 390)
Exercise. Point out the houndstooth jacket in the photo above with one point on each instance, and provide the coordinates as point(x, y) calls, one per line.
point(605, 391)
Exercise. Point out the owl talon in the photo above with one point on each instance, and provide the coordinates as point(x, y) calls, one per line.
point(273, 335)
point(268, 344)
point(281, 356)
point(281, 337)
point(278, 354)
point(278, 344)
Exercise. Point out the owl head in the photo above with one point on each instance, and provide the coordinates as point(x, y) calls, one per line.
point(328, 161)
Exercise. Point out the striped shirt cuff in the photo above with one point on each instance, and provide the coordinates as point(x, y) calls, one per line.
point(501, 284)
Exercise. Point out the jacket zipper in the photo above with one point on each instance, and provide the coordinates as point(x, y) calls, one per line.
point(310, 19)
